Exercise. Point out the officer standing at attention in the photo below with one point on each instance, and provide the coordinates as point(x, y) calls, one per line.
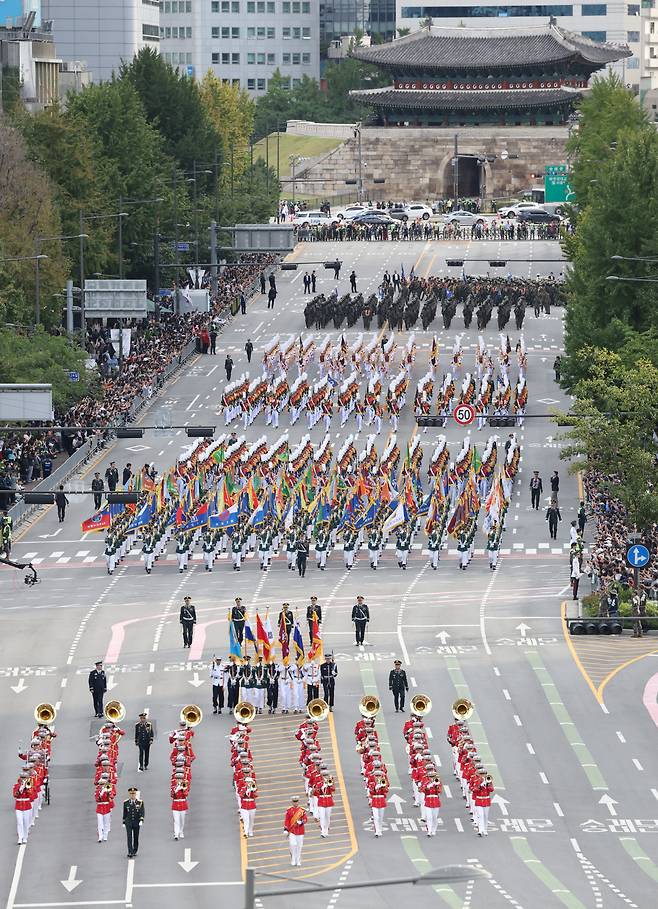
point(143, 740)
point(328, 673)
point(217, 677)
point(237, 617)
point(97, 489)
point(313, 607)
point(133, 818)
point(98, 687)
point(187, 620)
point(360, 617)
point(398, 684)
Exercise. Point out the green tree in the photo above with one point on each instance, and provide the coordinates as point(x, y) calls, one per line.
point(44, 358)
point(274, 107)
point(621, 219)
point(172, 103)
point(230, 111)
point(616, 411)
point(344, 77)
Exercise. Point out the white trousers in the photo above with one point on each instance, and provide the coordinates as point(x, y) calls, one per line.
point(463, 558)
point(432, 820)
point(209, 557)
point(493, 557)
point(265, 556)
point(237, 558)
point(179, 822)
point(482, 818)
point(23, 825)
point(378, 820)
point(104, 822)
point(295, 843)
point(285, 695)
point(298, 700)
point(402, 555)
point(149, 558)
point(349, 557)
point(434, 558)
point(321, 556)
point(325, 819)
point(248, 816)
point(374, 557)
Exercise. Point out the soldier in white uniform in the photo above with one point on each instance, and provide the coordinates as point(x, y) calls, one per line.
point(208, 552)
point(285, 688)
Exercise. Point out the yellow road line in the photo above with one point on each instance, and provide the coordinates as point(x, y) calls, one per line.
point(574, 654)
point(343, 788)
point(619, 668)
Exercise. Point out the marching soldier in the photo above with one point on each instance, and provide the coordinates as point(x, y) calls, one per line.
point(360, 617)
point(403, 545)
point(272, 680)
point(236, 549)
point(233, 686)
point(349, 545)
point(291, 549)
point(493, 545)
point(328, 673)
point(398, 684)
point(375, 541)
point(208, 552)
point(180, 789)
point(324, 791)
point(321, 547)
point(110, 553)
point(293, 824)
point(149, 554)
point(23, 804)
point(434, 547)
point(133, 818)
point(482, 792)
point(143, 740)
point(286, 618)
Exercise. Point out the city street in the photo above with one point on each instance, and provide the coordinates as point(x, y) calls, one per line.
point(575, 818)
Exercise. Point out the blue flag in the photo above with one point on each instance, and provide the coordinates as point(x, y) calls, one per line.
point(234, 648)
point(298, 643)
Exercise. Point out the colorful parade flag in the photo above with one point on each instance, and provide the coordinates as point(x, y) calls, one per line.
point(283, 641)
point(99, 521)
point(249, 636)
point(264, 648)
point(316, 645)
point(234, 645)
point(298, 643)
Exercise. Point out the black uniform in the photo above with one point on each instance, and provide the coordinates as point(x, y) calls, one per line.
point(98, 687)
point(397, 683)
point(112, 477)
point(232, 686)
point(238, 619)
point(360, 617)
point(536, 489)
point(302, 555)
point(187, 620)
point(133, 818)
point(328, 673)
point(143, 740)
point(310, 609)
point(553, 516)
point(61, 501)
point(97, 489)
point(272, 679)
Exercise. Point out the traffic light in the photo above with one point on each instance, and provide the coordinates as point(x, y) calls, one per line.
point(122, 498)
point(430, 421)
point(126, 432)
point(39, 498)
point(200, 432)
point(332, 265)
point(288, 266)
point(454, 263)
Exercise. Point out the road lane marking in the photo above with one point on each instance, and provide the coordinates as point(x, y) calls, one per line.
point(541, 872)
point(637, 764)
point(638, 855)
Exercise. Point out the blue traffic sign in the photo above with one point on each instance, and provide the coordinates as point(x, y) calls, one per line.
point(183, 247)
point(638, 555)
point(74, 376)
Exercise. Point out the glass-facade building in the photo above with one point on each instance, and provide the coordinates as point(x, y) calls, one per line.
point(339, 18)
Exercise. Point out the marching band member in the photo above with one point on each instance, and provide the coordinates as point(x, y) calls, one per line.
point(431, 788)
point(104, 795)
point(293, 824)
point(378, 791)
point(248, 793)
point(180, 788)
point(325, 801)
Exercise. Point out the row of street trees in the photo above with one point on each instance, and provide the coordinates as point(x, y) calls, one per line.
point(611, 342)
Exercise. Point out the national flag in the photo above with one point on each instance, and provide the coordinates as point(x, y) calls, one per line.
point(397, 516)
point(268, 631)
point(264, 648)
point(249, 636)
point(261, 512)
point(144, 515)
point(199, 518)
point(172, 489)
point(283, 641)
point(298, 644)
point(434, 352)
point(316, 645)
point(227, 518)
point(99, 521)
point(234, 645)
point(148, 485)
point(425, 504)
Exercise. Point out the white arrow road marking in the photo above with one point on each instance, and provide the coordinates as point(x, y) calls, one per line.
point(71, 883)
point(48, 536)
point(523, 628)
point(20, 687)
point(187, 864)
point(398, 802)
point(502, 804)
point(196, 681)
point(443, 637)
point(609, 803)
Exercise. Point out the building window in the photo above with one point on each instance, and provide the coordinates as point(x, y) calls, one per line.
point(167, 31)
point(633, 9)
point(485, 12)
point(188, 31)
point(271, 59)
point(306, 7)
point(595, 9)
point(261, 59)
point(296, 83)
point(226, 31)
point(285, 6)
point(285, 33)
point(226, 59)
point(285, 59)
point(306, 32)
point(251, 6)
point(235, 8)
point(296, 59)
point(261, 85)
point(226, 6)
point(306, 59)
point(270, 7)
point(594, 36)
point(235, 59)
point(167, 6)
point(251, 59)
point(271, 33)
point(251, 85)
point(151, 32)
point(214, 6)
point(296, 32)
point(214, 57)
point(296, 7)
point(633, 63)
point(235, 83)
point(260, 32)
point(632, 37)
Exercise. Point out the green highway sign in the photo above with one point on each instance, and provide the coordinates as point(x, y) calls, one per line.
point(556, 184)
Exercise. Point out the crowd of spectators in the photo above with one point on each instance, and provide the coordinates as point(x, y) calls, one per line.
point(607, 552)
point(431, 230)
point(26, 457)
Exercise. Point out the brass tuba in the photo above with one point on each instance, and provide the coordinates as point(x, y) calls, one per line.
point(369, 706)
point(244, 712)
point(421, 704)
point(317, 709)
point(45, 714)
point(462, 709)
point(114, 711)
point(192, 715)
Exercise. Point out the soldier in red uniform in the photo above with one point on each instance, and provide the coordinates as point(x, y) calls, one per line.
point(248, 792)
point(377, 794)
point(294, 824)
point(482, 789)
point(180, 789)
point(104, 796)
point(431, 787)
point(23, 803)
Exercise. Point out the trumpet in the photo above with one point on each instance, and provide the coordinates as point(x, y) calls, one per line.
point(114, 711)
point(192, 715)
point(369, 706)
point(317, 709)
point(244, 712)
point(488, 779)
point(462, 709)
point(45, 714)
point(421, 704)
point(327, 783)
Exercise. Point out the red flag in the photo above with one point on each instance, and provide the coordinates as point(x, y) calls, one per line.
point(263, 640)
point(283, 640)
point(317, 640)
point(100, 521)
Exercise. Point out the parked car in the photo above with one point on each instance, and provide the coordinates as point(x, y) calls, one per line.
point(512, 211)
point(463, 218)
point(373, 217)
point(538, 216)
point(313, 218)
point(411, 212)
point(351, 211)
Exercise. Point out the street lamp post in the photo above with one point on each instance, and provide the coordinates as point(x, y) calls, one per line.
point(124, 202)
point(82, 235)
point(359, 186)
point(37, 270)
point(445, 875)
